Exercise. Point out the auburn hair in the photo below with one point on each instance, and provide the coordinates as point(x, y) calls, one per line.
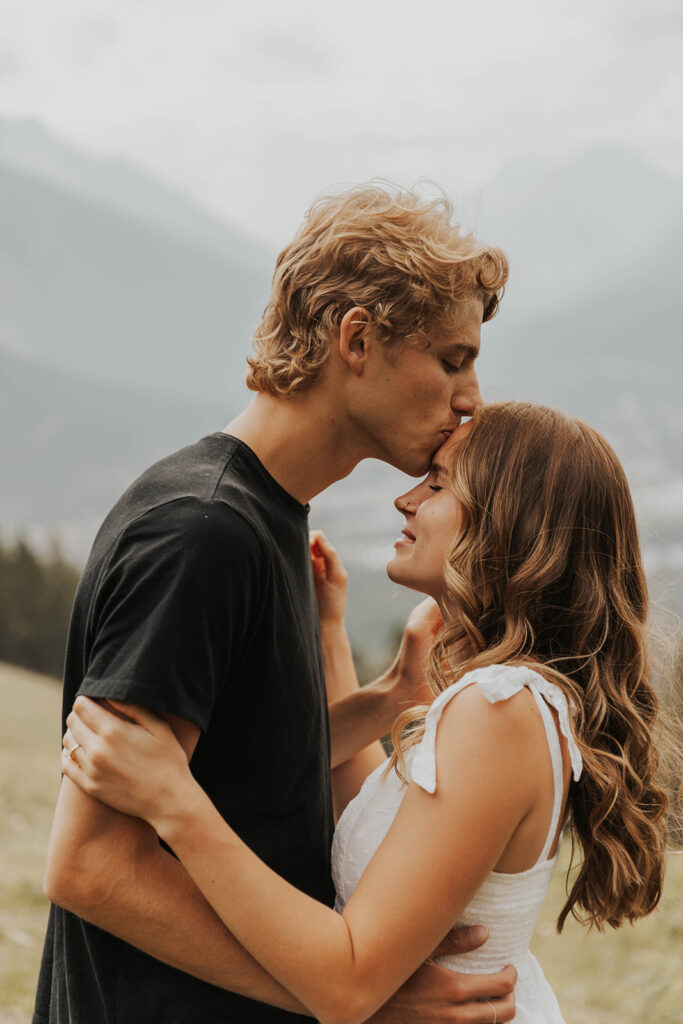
point(545, 570)
point(397, 255)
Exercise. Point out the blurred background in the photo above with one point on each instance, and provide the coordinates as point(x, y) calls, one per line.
point(154, 158)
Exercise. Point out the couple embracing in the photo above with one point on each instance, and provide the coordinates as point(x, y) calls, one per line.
point(194, 868)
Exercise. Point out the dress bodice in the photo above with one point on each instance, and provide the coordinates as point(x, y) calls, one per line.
point(507, 904)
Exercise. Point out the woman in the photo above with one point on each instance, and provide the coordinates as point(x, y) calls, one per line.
point(525, 536)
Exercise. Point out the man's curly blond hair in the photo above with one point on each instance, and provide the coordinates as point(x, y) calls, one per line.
point(399, 256)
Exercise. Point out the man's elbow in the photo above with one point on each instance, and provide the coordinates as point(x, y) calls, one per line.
point(75, 882)
point(92, 854)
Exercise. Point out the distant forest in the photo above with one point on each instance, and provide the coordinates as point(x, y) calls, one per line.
point(36, 595)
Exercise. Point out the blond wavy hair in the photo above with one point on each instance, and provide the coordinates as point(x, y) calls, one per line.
point(545, 570)
point(400, 257)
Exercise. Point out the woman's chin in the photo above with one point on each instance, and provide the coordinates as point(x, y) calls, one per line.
point(401, 575)
point(393, 570)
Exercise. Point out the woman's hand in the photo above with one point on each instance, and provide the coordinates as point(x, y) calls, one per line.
point(127, 758)
point(424, 622)
point(330, 580)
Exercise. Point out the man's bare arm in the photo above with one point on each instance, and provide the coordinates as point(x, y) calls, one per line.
point(110, 870)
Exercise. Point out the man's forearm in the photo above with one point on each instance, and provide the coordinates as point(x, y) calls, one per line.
point(117, 876)
point(173, 923)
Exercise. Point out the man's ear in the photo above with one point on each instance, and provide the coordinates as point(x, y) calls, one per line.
point(354, 339)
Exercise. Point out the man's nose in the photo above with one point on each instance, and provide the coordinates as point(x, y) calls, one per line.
point(467, 398)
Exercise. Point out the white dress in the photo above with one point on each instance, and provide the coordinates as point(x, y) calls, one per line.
point(507, 904)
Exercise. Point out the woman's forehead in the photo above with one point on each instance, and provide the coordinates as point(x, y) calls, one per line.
point(445, 456)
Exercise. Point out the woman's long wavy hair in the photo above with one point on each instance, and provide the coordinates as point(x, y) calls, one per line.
point(545, 570)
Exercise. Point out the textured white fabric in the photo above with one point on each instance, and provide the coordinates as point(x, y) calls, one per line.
point(507, 904)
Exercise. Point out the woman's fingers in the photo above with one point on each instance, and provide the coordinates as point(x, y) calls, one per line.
point(105, 719)
point(322, 549)
point(72, 750)
point(134, 713)
point(78, 732)
point(92, 714)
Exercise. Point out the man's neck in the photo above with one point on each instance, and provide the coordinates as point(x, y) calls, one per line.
point(301, 443)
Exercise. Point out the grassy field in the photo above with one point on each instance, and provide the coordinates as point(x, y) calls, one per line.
point(633, 976)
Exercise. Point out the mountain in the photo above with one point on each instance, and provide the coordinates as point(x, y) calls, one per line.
point(92, 288)
point(624, 338)
point(69, 446)
point(125, 318)
point(573, 229)
point(29, 149)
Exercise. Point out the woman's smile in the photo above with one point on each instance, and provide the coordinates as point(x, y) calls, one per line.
point(406, 538)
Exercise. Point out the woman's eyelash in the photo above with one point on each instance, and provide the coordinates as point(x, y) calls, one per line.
point(435, 487)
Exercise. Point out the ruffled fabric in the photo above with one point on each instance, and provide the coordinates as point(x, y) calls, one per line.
point(496, 682)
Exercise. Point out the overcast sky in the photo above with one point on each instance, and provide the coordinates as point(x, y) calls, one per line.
point(251, 108)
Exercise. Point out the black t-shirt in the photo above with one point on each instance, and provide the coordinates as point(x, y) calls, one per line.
point(198, 600)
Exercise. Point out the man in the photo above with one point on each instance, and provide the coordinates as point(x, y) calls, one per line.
point(197, 602)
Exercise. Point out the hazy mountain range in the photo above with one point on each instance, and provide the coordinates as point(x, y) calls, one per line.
point(126, 315)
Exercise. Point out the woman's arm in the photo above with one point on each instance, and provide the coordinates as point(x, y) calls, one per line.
point(359, 716)
point(436, 855)
point(341, 681)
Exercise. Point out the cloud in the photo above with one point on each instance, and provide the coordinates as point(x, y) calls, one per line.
point(280, 51)
point(10, 65)
point(91, 38)
point(660, 21)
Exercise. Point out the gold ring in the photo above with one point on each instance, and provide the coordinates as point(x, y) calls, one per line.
point(495, 1014)
point(73, 751)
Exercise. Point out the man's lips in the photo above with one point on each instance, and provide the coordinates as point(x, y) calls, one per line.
point(446, 432)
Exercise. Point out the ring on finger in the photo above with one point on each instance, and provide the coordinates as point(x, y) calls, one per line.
point(495, 1012)
point(72, 751)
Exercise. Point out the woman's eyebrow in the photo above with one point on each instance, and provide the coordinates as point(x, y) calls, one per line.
point(436, 468)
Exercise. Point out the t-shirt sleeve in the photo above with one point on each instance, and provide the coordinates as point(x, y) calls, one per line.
point(175, 608)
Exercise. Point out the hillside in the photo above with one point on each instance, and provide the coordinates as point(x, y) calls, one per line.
point(632, 975)
point(579, 228)
point(96, 291)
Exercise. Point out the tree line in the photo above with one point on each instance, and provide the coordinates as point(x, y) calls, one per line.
point(36, 595)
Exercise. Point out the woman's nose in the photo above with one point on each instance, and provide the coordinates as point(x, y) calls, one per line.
point(406, 504)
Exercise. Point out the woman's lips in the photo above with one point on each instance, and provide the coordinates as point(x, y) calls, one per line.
point(406, 538)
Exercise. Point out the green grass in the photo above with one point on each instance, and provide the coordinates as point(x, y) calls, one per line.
point(632, 976)
point(29, 781)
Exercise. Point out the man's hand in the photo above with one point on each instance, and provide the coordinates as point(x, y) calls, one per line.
point(436, 995)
